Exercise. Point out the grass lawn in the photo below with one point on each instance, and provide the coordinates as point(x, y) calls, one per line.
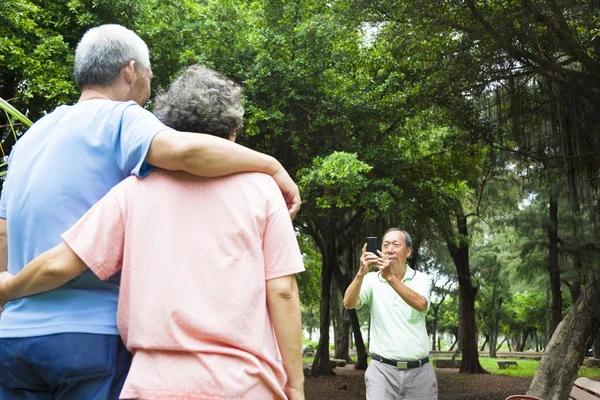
point(525, 368)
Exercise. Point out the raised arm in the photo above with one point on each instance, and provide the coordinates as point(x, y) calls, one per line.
point(207, 155)
point(283, 301)
point(352, 295)
point(48, 271)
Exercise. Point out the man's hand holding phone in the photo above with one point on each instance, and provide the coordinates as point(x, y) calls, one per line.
point(369, 255)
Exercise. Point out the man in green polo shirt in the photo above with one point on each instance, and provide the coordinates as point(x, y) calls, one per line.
point(398, 298)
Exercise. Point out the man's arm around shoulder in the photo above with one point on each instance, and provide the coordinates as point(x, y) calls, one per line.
point(210, 156)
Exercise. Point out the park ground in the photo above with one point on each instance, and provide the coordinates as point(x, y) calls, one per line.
point(348, 383)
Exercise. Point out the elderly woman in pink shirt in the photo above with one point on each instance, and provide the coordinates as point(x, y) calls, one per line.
point(208, 302)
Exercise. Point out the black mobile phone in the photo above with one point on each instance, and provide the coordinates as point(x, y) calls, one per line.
point(372, 244)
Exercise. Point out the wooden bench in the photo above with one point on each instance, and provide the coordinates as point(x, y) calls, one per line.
point(507, 363)
point(445, 363)
point(583, 389)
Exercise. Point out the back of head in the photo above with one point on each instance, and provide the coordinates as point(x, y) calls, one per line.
point(203, 101)
point(103, 51)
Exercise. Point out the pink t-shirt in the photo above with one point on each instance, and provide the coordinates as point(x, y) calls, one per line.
point(195, 254)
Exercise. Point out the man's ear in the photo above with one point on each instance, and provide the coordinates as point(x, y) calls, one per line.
point(128, 71)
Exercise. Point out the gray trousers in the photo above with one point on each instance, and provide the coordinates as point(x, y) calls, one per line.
point(386, 382)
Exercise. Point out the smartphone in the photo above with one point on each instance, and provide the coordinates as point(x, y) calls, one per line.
point(372, 244)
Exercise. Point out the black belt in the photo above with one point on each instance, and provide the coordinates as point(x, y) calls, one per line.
point(401, 364)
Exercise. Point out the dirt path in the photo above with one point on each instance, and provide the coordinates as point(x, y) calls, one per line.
point(349, 384)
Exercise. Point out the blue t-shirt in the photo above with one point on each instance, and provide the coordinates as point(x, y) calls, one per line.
point(58, 170)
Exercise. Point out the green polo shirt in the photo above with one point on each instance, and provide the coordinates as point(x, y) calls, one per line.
point(398, 331)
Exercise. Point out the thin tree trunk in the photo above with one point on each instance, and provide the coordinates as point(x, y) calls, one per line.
point(361, 351)
point(596, 352)
point(468, 327)
point(564, 355)
point(434, 327)
point(453, 344)
point(487, 337)
point(502, 342)
point(341, 325)
point(553, 270)
point(575, 286)
point(321, 364)
point(495, 329)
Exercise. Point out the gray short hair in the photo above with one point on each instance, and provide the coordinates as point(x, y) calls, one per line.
point(104, 50)
point(407, 238)
point(202, 100)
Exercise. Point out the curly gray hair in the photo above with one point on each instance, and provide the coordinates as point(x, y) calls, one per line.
point(202, 100)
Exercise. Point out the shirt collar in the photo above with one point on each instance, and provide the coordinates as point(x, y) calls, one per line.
point(409, 275)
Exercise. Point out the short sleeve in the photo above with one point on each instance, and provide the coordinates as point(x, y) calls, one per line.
point(133, 139)
point(366, 291)
point(98, 237)
point(422, 286)
point(280, 247)
point(3, 205)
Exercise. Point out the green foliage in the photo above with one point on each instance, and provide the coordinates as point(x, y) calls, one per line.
point(335, 181)
point(11, 113)
point(309, 281)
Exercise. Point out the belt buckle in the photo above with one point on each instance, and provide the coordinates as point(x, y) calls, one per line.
point(402, 365)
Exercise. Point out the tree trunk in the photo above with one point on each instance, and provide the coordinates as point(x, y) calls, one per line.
point(342, 343)
point(468, 327)
point(596, 352)
point(453, 344)
point(487, 338)
point(341, 325)
point(495, 329)
point(553, 271)
point(502, 342)
point(575, 286)
point(321, 365)
point(361, 351)
point(434, 328)
point(558, 369)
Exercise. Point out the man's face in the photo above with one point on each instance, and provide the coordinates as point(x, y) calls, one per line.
point(141, 85)
point(394, 247)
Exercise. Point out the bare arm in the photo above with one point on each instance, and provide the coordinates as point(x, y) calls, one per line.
point(207, 155)
point(3, 246)
point(48, 271)
point(412, 298)
point(352, 295)
point(283, 301)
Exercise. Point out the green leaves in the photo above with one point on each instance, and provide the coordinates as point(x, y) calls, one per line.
point(335, 181)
